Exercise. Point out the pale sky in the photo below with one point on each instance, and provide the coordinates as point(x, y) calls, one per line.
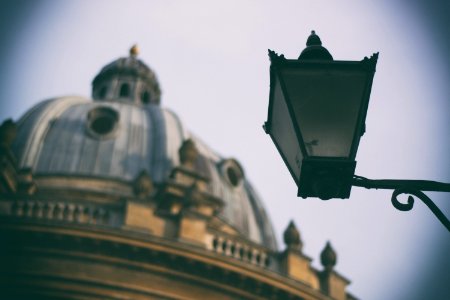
point(212, 64)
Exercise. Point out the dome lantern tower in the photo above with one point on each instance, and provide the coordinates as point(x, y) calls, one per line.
point(127, 79)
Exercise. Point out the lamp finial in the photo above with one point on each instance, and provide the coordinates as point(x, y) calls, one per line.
point(313, 39)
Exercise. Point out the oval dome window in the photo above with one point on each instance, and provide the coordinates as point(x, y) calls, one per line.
point(102, 121)
point(232, 172)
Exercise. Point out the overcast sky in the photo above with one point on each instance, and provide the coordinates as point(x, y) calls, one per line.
point(212, 64)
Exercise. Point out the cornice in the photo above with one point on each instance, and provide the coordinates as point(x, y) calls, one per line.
point(134, 250)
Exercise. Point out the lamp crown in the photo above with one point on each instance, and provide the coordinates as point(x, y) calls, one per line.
point(313, 39)
point(314, 49)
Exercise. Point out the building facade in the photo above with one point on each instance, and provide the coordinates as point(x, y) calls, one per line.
point(114, 198)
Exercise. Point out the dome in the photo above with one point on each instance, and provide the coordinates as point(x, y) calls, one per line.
point(115, 198)
point(115, 140)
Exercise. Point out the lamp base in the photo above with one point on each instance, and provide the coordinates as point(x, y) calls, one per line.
point(326, 178)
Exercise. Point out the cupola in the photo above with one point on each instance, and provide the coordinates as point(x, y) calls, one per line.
point(127, 79)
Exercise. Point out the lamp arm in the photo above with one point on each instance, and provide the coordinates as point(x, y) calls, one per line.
point(412, 187)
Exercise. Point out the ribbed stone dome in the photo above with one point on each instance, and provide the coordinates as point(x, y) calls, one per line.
point(116, 140)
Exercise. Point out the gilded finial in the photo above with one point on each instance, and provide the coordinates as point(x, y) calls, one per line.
point(134, 50)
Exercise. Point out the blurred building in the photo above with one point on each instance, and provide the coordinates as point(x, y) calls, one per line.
point(115, 199)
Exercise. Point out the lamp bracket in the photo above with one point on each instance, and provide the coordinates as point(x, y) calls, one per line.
point(411, 187)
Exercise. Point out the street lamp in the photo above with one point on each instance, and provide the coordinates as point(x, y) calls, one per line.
point(317, 112)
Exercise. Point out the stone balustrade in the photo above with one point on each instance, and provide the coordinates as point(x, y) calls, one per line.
point(240, 250)
point(60, 211)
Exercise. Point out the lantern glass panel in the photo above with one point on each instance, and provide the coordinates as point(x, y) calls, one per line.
point(283, 133)
point(326, 105)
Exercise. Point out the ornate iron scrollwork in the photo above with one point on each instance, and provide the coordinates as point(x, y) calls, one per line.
point(403, 206)
point(411, 187)
point(410, 203)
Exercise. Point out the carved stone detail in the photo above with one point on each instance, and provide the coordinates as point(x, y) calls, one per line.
point(328, 257)
point(188, 153)
point(26, 181)
point(8, 131)
point(143, 185)
point(291, 237)
point(9, 180)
